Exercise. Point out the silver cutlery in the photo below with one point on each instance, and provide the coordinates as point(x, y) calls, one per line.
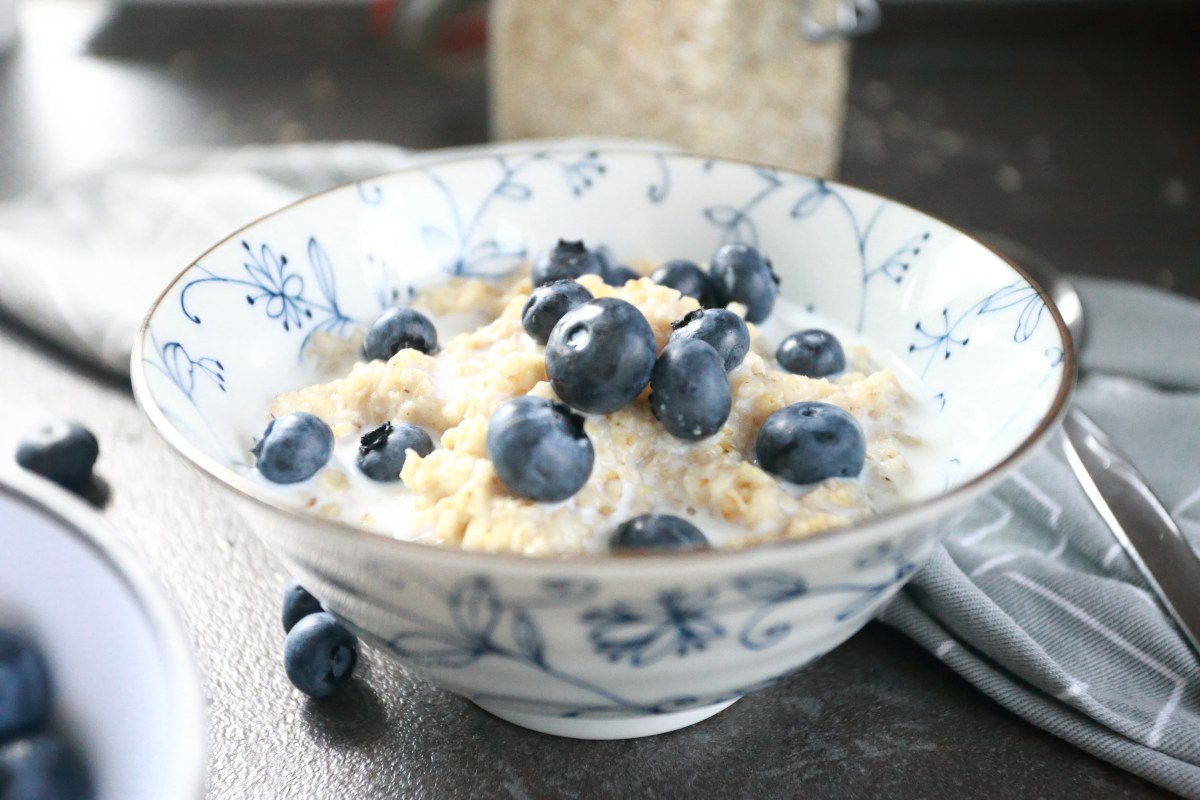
point(1119, 493)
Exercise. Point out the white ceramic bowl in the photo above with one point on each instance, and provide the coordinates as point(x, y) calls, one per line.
point(602, 647)
point(126, 689)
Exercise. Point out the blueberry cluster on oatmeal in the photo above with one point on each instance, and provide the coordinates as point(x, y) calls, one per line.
point(594, 410)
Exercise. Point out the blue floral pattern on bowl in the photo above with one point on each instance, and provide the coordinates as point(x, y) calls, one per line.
point(572, 647)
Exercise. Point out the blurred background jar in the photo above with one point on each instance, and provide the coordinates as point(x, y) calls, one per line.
point(762, 80)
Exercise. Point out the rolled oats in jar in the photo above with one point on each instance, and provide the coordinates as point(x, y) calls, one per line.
point(729, 79)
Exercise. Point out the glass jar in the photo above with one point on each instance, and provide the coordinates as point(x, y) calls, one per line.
point(750, 79)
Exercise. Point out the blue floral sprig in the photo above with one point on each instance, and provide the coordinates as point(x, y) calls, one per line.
point(676, 623)
point(272, 284)
point(736, 224)
point(174, 361)
point(949, 333)
point(458, 249)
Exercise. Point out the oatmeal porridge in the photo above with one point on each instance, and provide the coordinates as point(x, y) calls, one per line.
point(449, 493)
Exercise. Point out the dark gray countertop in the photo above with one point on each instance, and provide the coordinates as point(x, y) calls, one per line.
point(1074, 130)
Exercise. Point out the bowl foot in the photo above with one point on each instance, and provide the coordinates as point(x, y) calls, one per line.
point(599, 728)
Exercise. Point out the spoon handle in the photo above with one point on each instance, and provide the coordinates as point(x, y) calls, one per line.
point(1137, 519)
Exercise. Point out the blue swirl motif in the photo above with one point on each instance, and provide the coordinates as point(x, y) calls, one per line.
point(457, 249)
point(736, 224)
point(173, 360)
point(657, 192)
point(271, 283)
point(484, 624)
point(371, 194)
point(186, 373)
point(946, 334)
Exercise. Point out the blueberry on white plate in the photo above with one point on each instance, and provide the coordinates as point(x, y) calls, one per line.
point(24, 686)
point(42, 767)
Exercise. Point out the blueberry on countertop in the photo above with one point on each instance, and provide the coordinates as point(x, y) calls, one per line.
point(539, 449)
point(293, 447)
point(548, 303)
point(690, 393)
point(319, 654)
point(62, 451)
point(397, 329)
point(686, 278)
point(381, 452)
point(619, 275)
point(741, 275)
point(599, 355)
point(719, 327)
point(567, 261)
point(297, 604)
point(24, 686)
point(42, 768)
point(658, 532)
point(809, 442)
point(814, 353)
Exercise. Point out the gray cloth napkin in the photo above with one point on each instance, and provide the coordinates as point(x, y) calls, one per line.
point(1033, 601)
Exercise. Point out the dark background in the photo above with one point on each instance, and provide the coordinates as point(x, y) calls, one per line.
point(1073, 128)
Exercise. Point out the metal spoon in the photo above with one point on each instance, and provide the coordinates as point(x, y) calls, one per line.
point(1120, 494)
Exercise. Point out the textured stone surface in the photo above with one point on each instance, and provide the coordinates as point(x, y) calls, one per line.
point(875, 718)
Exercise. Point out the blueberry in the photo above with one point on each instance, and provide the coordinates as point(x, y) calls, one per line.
point(686, 278)
point(567, 260)
point(397, 329)
point(319, 654)
point(548, 303)
point(599, 355)
point(814, 353)
point(690, 394)
point(24, 685)
point(658, 532)
point(62, 451)
point(720, 328)
point(740, 274)
point(297, 604)
point(293, 447)
point(42, 768)
point(539, 449)
point(809, 442)
point(381, 452)
point(619, 275)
